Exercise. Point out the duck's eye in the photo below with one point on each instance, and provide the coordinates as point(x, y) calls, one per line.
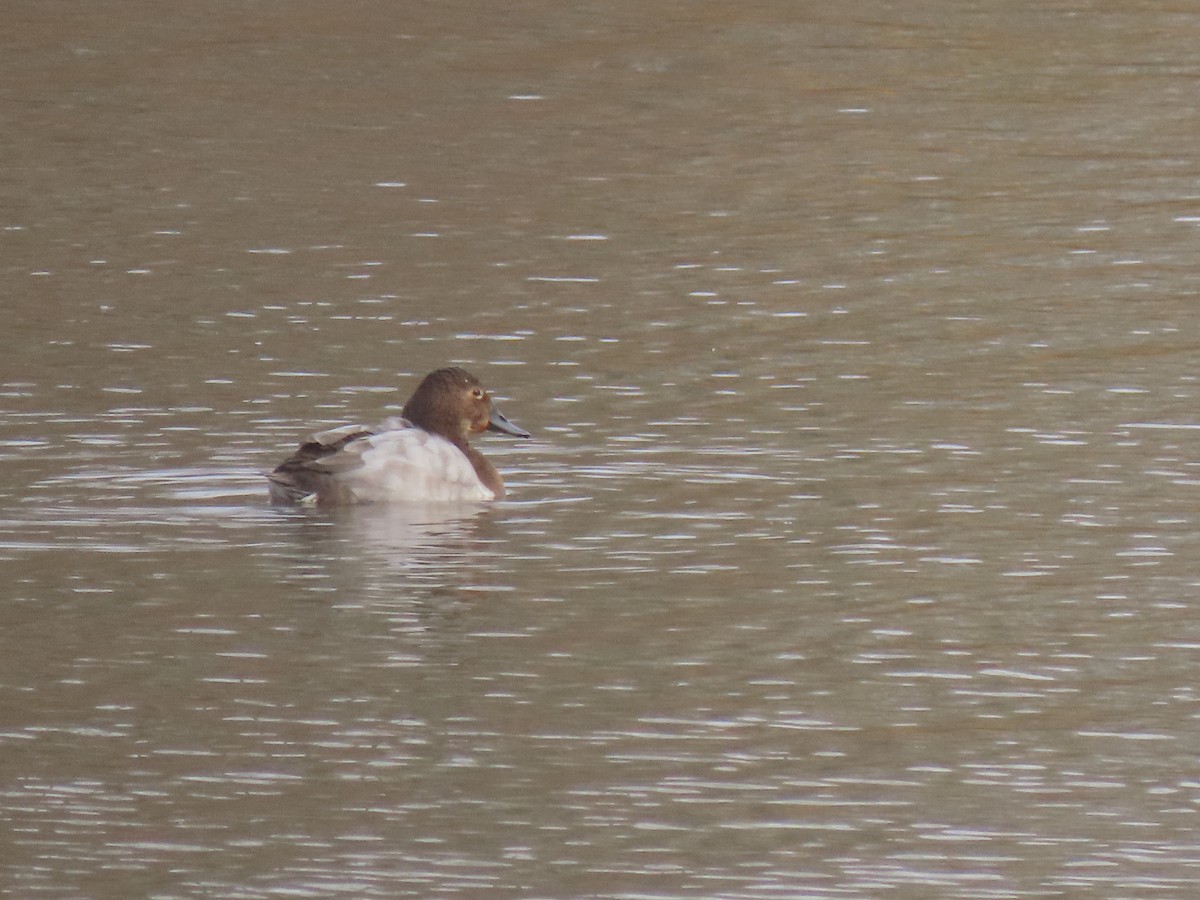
point(477, 393)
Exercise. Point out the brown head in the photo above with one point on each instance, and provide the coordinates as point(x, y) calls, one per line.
point(453, 403)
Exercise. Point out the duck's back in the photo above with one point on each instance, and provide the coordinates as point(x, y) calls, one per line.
point(394, 462)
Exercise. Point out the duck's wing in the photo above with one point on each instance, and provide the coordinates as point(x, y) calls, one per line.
point(301, 477)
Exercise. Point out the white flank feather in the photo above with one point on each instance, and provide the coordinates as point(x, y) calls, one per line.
point(414, 465)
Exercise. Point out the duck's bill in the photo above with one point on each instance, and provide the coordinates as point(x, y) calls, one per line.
point(497, 422)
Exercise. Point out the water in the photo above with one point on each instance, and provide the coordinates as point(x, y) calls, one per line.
point(852, 556)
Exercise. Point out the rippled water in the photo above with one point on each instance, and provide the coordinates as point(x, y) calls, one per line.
point(852, 555)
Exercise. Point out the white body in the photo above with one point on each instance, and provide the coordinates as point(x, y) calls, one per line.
point(403, 463)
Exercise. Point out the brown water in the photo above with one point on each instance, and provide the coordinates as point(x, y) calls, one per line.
point(855, 552)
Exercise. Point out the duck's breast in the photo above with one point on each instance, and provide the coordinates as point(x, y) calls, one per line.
point(410, 464)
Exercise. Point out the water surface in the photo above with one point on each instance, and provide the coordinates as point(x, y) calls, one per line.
point(852, 556)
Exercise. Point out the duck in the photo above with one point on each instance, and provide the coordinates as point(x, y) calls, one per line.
point(421, 456)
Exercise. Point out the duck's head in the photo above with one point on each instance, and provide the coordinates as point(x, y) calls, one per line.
point(454, 403)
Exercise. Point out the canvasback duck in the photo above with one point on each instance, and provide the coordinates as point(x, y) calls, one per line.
point(422, 455)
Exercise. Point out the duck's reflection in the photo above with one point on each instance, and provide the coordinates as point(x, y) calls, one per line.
point(388, 529)
point(385, 547)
